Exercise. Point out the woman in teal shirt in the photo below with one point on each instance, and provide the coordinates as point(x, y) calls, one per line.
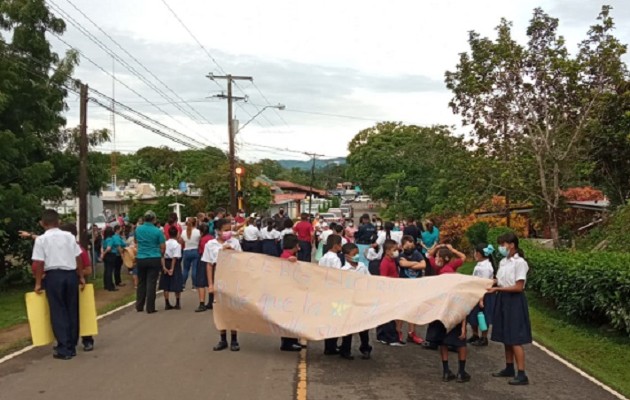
point(430, 236)
point(150, 243)
point(119, 244)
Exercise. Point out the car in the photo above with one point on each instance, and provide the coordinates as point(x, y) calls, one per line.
point(347, 211)
point(329, 217)
point(363, 199)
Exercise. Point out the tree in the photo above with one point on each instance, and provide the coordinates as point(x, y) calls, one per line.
point(33, 88)
point(537, 100)
point(270, 168)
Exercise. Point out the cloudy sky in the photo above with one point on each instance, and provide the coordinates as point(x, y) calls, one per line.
point(338, 66)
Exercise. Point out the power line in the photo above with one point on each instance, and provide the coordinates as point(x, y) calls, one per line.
point(138, 62)
point(111, 53)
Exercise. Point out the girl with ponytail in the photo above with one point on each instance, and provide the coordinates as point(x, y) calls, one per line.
point(484, 269)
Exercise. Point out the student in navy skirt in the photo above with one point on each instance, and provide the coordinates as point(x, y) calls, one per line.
point(171, 279)
point(483, 269)
point(202, 273)
point(270, 239)
point(511, 315)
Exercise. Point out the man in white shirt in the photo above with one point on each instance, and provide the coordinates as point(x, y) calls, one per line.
point(58, 255)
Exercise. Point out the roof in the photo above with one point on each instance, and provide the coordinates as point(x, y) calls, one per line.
point(286, 185)
point(288, 197)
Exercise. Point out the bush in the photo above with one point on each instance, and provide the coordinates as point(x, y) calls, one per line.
point(478, 233)
point(494, 233)
point(594, 287)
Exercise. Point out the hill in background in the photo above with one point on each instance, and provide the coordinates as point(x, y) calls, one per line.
point(306, 165)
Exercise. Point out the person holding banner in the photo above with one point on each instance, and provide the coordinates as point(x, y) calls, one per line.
point(58, 255)
point(223, 241)
point(331, 260)
point(291, 248)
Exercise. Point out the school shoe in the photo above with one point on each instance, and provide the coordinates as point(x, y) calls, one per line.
point(463, 377)
point(504, 373)
point(209, 306)
point(291, 347)
point(222, 345)
point(519, 381)
point(412, 337)
point(448, 376)
point(331, 352)
point(347, 356)
point(381, 341)
point(366, 354)
point(88, 347)
point(473, 339)
point(482, 342)
point(201, 308)
point(398, 344)
point(234, 346)
point(61, 357)
point(168, 306)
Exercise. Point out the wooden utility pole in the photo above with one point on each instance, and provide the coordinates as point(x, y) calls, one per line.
point(231, 132)
point(310, 195)
point(83, 163)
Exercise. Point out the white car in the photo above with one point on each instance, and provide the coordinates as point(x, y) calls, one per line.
point(363, 199)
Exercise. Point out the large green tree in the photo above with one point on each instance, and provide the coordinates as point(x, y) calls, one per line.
point(33, 90)
point(537, 99)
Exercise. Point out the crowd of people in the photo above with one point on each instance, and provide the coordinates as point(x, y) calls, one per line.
point(166, 256)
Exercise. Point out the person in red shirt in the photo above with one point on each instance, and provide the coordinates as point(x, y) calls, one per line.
point(172, 221)
point(386, 333)
point(304, 231)
point(444, 259)
point(290, 247)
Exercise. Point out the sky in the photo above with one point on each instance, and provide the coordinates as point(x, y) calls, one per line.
point(338, 66)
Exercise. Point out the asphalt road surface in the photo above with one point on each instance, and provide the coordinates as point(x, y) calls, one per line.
point(168, 355)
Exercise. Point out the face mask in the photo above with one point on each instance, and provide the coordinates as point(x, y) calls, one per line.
point(350, 224)
point(355, 258)
point(395, 254)
point(409, 251)
point(226, 236)
point(504, 251)
point(378, 224)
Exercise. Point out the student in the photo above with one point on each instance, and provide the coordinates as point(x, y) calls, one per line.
point(430, 236)
point(339, 231)
point(304, 231)
point(252, 237)
point(190, 238)
point(291, 248)
point(411, 229)
point(483, 269)
point(331, 260)
point(87, 341)
point(374, 257)
point(351, 253)
point(411, 266)
point(118, 245)
point(511, 315)
point(171, 279)
point(270, 239)
point(386, 333)
point(223, 241)
point(202, 275)
point(446, 260)
point(108, 255)
point(350, 231)
point(388, 233)
point(57, 254)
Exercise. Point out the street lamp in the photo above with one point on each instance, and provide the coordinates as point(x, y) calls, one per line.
point(277, 106)
point(239, 172)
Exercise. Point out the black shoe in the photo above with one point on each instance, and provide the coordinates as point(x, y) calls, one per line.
point(429, 346)
point(201, 308)
point(331, 352)
point(61, 357)
point(519, 381)
point(347, 356)
point(151, 312)
point(473, 339)
point(504, 373)
point(209, 306)
point(291, 347)
point(483, 342)
point(234, 346)
point(88, 347)
point(448, 376)
point(222, 345)
point(168, 306)
point(463, 377)
point(366, 354)
point(178, 306)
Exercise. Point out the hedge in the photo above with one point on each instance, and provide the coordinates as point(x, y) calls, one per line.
point(594, 287)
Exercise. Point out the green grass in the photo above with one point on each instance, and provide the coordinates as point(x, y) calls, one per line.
point(12, 307)
point(600, 352)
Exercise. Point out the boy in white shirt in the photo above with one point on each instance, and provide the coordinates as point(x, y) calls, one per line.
point(351, 253)
point(223, 241)
point(331, 260)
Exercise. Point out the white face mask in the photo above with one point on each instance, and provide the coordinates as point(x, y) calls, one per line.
point(395, 254)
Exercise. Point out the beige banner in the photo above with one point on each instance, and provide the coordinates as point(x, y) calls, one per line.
point(271, 296)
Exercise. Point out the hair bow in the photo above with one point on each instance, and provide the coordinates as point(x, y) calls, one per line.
point(488, 250)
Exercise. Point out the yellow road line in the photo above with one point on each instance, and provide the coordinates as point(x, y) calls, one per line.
point(300, 393)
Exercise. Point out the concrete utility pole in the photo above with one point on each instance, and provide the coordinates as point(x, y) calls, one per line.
point(310, 195)
point(231, 131)
point(83, 163)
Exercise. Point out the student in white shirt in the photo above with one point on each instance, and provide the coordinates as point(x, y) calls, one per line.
point(511, 316)
point(190, 260)
point(270, 239)
point(252, 237)
point(57, 253)
point(331, 260)
point(483, 269)
point(171, 278)
point(351, 253)
point(224, 241)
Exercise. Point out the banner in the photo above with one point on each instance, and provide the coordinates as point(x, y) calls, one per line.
point(272, 296)
point(38, 313)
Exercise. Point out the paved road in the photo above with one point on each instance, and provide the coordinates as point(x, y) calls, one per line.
point(168, 355)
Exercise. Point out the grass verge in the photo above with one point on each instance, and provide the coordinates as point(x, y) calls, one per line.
point(13, 309)
point(600, 352)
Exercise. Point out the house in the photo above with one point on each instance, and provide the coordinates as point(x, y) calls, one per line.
point(293, 197)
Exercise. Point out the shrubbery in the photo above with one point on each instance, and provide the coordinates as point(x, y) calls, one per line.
point(594, 287)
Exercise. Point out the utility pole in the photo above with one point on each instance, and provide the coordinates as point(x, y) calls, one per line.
point(231, 131)
point(83, 162)
point(310, 195)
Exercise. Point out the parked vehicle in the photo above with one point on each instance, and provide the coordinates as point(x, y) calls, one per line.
point(337, 211)
point(363, 199)
point(329, 217)
point(347, 210)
